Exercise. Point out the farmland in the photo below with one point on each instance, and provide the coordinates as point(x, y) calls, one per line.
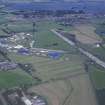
point(62, 81)
point(74, 90)
point(47, 68)
point(43, 37)
point(14, 78)
point(86, 34)
point(56, 91)
point(98, 76)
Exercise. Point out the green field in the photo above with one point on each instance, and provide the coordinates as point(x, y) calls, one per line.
point(43, 36)
point(98, 76)
point(99, 52)
point(3, 19)
point(47, 68)
point(14, 78)
point(27, 26)
point(20, 26)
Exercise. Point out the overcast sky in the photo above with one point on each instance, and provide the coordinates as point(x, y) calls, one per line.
point(69, 0)
point(48, 0)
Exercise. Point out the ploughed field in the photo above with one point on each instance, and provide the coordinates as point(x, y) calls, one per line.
point(86, 34)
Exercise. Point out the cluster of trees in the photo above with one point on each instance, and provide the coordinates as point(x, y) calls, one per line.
point(47, 12)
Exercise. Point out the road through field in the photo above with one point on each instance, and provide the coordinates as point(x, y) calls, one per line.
point(86, 53)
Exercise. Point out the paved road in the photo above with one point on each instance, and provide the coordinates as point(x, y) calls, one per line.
point(64, 38)
point(86, 53)
point(46, 50)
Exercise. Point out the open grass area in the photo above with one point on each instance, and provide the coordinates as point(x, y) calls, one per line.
point(14, 78)
point(47, 68)
point(20, 26)
point(96, 51)
point(69, 84)
point(99, 52)
point(63, 81)
point(3, 19)
point(43, 36)
point(2, 33)
point(75, 90)
point(46, 39)
point(98, 76)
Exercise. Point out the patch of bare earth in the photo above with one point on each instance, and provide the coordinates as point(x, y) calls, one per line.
point(86, 34)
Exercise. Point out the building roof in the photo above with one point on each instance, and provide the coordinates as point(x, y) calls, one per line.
point(26, 101)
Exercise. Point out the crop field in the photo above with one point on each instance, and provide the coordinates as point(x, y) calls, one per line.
point(86, 34)
point(14, 78)
point(46, 39)
point(75, 90)
point(83, 93)
point(64, 81)
point(98, 76)
point(2, 33)
point(43, 37)
point(27, 26)
point(55, 92)
point(100, 52)
point(20, 26)
point(47, 68)
point(3, 19)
